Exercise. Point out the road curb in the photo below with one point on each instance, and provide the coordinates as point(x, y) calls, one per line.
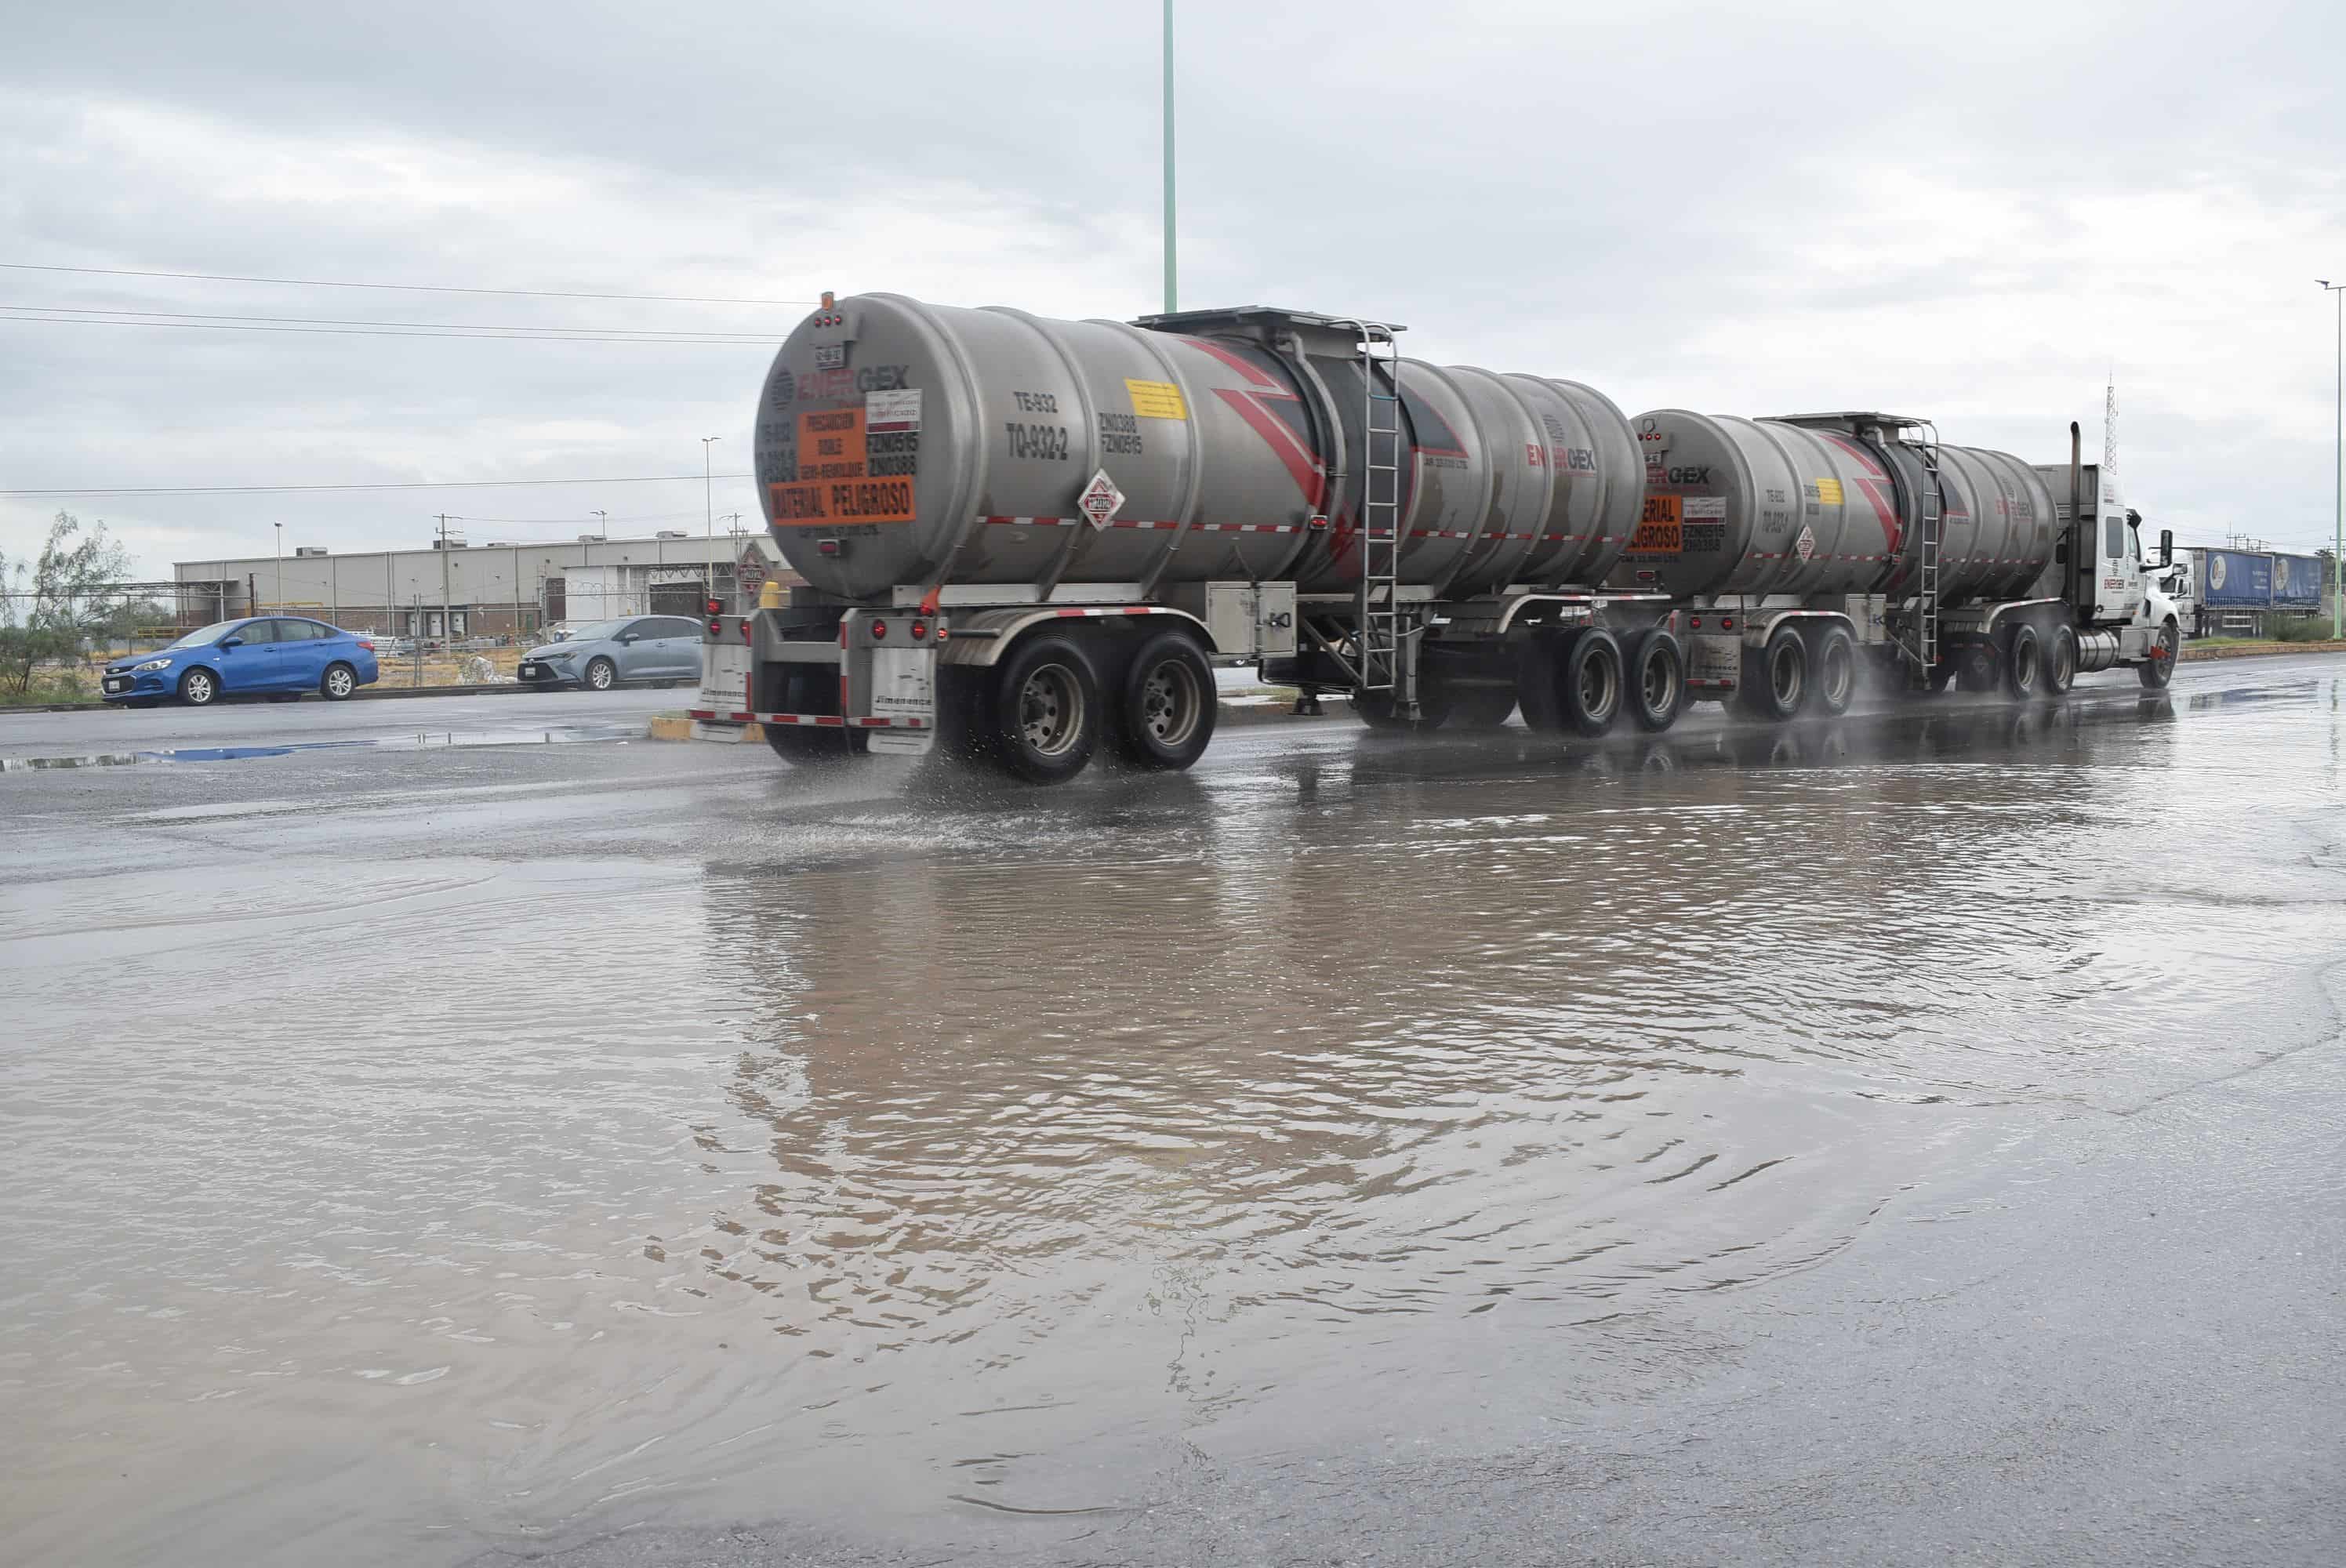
point(363, 694)
point(2255, 650)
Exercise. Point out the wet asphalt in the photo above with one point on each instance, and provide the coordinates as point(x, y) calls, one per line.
point(460, 1130)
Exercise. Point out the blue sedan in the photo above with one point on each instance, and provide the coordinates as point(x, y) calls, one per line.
point(265, 655)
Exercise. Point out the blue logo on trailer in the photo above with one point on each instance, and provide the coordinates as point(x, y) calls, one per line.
point(2238, 578)
point(2297, 582)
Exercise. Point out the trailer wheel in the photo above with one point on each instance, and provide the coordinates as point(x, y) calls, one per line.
point(806, 745)
point(2160, 668)
point(1537, 677)
point(2023, 663)
point(1776, 677)
point(1832, 667)
point(1376, 708)
point(1590, 692)
point(2061, 662)
point(1656, 672)
point(1045, 714)
point(809, 689)
point(1169, 703)
point(1481, 707)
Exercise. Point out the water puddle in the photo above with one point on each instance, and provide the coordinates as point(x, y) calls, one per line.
point(421, 741)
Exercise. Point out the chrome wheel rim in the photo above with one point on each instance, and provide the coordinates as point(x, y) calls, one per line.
point(200, 687)
point(339, 682)
point(1784, 677)
point(1655, 682)
point(599, 676)
point(1599, 686)
point(1050, 710)
point(1838, 675)
point(2064, 663)
point(2023, 668)
point(1168, 703)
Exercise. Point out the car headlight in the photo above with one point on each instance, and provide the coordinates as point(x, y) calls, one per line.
point(150, 664)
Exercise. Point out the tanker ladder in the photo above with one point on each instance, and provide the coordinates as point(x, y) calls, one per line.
point(1377, 620)
point(1924, 648)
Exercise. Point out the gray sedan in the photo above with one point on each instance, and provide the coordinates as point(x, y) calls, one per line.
point(649, 649)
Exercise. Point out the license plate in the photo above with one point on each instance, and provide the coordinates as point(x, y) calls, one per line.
point(533, 671)
point(117, 683)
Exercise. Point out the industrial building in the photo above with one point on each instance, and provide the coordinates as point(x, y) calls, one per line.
point(497, 589)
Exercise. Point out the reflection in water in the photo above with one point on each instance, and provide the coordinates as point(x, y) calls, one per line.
point(1187, 1096)
point(874, 1156)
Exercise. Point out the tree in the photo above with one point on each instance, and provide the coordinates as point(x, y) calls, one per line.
point(74, 591)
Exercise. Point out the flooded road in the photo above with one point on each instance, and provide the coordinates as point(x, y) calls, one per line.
point(419, 1153)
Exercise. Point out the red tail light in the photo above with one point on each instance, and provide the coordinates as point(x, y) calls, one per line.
point(714, 609)
point(716, 627)
point(879, 631)
point(1726, 623)
point(367, 643)
point(920, 630)
point(1695, 622)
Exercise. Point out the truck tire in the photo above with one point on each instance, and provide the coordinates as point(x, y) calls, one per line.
point(1169, 703)
point(1536, 675)
point(1776, 676)
point(1376, 708)
point(809, 744)
point(812, 690)
point(2160, 668)
point(1833, 671)
point(2061, 662)
point(2023, 663)
point(1588, 690)
point(1044, 720)
point(1480, 707)
point(1656, 680)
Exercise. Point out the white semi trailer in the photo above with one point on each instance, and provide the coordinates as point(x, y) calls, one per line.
point(1024, 539)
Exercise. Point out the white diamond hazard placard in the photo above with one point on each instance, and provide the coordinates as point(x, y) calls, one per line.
point(1806, 544)
point(1100, 499)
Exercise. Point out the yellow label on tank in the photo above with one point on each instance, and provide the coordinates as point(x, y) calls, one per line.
point(1156, 400)
point(1829, 492)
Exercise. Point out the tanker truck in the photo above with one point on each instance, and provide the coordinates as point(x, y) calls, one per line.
point(1024, 540)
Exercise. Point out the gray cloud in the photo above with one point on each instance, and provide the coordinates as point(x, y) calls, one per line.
point(1972, 218)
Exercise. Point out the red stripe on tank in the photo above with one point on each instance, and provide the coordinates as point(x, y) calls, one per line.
point(1245, 368)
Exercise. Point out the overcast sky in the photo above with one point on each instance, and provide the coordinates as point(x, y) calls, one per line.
point(1973, 214)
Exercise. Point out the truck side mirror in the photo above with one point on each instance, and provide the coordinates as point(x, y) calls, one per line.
point(2166, 546)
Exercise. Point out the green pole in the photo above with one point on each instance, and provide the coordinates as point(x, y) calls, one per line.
point(1171, 294)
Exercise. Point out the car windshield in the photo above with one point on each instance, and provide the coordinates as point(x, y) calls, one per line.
point(208, 635)
point(594, 630)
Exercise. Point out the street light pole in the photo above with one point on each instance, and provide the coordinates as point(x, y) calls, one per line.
point(2338, 542)
point(281, 565)
point(709, 519)
point(603, 522)
point(1171, 293)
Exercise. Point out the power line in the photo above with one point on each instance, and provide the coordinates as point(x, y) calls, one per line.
point(465, 327)
point(402, 288)
point(405, 484)
point(483, 337)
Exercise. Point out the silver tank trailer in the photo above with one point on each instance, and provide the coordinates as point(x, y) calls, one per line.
point(899, 444)
point(1816, 504)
